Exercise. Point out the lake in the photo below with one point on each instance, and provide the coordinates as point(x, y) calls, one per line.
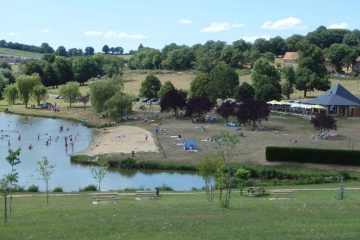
point(47, 140)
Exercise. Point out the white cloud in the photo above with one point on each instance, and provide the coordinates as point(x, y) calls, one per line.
point(185, 21)
point(46, 30)
point(339, 26)
point(253, 38)
point(282, 24)
point(114, 35)
point(93, 33)
point(238, 25)
point(14, 34)
point(221, 26)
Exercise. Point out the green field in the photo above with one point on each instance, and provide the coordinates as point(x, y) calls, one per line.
point(309, 215)
point(18, 53)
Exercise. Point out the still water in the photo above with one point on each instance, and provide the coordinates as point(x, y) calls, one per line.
point(46, 140)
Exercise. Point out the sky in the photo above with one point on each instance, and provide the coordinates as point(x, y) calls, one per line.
point(156, 23)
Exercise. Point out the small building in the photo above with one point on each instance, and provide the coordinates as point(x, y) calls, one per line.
point(356, 66)
point(339, 102)
point(290, 59)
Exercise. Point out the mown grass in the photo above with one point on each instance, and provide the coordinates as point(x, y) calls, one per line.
point(309, 215)
point(18, 53)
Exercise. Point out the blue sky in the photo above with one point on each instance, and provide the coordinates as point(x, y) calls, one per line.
point(155, 23)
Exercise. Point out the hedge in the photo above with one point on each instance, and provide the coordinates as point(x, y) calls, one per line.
point(313, 155)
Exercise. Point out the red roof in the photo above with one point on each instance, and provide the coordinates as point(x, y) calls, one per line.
point(291, 56)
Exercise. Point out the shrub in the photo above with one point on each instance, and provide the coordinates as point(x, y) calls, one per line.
point(165, 187)
point(89, 188)
point(58, 189)
point(33, 188)
point(313, 155)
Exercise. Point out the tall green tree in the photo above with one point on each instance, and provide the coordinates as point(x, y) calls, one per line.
point(150, 87)
point(244, 92)
point(39, 93)
point(118, 106)
point(85, 68)
point(103, 90)
point(106, 49)
point(61, 51)
point(341, 55)
point(89, 51)
point(311, 73)
point(13, 159)
point(200, 85)
point(167, 86)
point(63, 70)
point(11, 93)
point(25, 85)
point(223, 81)
point(70, 91)
point(287, 87)
point(266, 81)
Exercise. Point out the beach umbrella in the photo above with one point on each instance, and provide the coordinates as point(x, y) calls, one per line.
point(273, 102)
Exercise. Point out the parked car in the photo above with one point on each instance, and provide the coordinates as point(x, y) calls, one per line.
point(145, 100)
point(58, 97)
point(45, 105)
point(153, 101)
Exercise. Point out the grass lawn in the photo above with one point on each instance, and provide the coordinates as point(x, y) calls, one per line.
point(309, 215)
point(18, 53)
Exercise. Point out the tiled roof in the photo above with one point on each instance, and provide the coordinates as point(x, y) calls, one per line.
point(291, 56)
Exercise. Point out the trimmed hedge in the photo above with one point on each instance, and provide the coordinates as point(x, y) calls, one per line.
point(313, 155)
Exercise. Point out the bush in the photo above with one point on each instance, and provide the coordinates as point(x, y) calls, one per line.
point(58, 189)
point(165, 187)
point(89, 188)
point(33, 188)
point(313, 155)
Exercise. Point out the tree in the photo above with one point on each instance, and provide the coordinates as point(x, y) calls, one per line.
point(99, 172)
point(252, 111)
point(70, 91)
point(48, 57)
point(13, 159)
point(242, 175)
point(25, 85)
point(226, 109)
point(311, 73)
point(49, 77)
point(31, 67)
point(210, 169)
point(200, 85)
point(103, 90)
point(85, 68)
point(277, 46)
point(226, 144)
point(118, 105)
point(198, 105)
point(244, 92)
point(341, 55)
point(61, 51)
point(150, 87)
point(167, 86)
point(89, 51)
point(7, 75)
point(11, 93)
point(106, 49)
point(323, 122)
point(45, 170)
point(173, 100)
point(45, 48)
point(39, 93)
point(266, 81)
point(6, 183)
point(63, 70)
point(4, 65)
point(287, 87)
point(223, 81)
point(144, 59)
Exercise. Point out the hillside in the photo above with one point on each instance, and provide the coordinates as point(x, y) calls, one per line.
point(7, 52)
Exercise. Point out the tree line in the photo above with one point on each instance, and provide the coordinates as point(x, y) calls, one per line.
point(340, 46)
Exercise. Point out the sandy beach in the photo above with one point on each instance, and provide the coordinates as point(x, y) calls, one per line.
point(122, 139)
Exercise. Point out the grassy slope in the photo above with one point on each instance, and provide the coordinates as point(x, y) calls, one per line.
point(309, 215)
point(12, 52)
